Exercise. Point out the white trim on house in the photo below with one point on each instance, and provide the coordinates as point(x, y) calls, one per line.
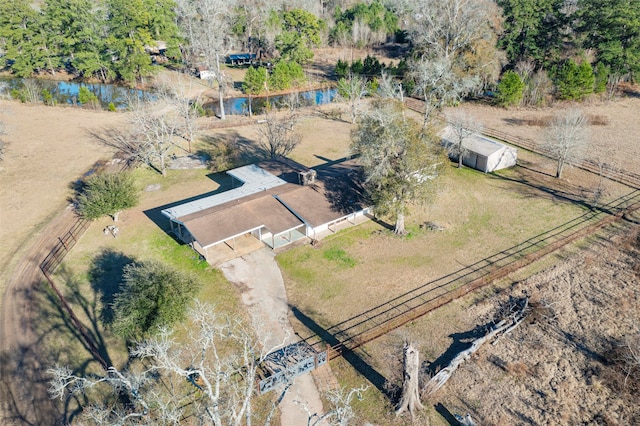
point(229, 210)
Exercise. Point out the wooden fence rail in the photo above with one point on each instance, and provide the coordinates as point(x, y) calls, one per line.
point(603, 169)
point(405, 308)
point(64, 245)
point(606, 170)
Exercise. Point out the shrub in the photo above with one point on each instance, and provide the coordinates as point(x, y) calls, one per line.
point(510, 89)
point(357, 67)
point(47, 97)
point(87, 97)
point(342, 69)
point(152, 295)
point(371, 66)
point(573, 81)
point(17, 94)
point(107, 194)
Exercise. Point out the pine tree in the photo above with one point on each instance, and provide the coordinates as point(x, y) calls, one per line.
point(510, 89)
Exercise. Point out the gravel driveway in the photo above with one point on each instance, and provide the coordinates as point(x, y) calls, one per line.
point(259, 279)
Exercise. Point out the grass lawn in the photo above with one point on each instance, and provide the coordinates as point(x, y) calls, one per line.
point(362, 267)
point(142, 236)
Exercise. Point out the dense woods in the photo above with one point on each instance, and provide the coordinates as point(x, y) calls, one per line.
point(562, 48)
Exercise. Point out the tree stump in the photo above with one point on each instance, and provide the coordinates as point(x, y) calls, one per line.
point(411, 385)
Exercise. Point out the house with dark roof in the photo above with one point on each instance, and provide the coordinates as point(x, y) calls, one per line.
point(273, 203)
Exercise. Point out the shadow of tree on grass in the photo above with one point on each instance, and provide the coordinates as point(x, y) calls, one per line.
point(105, 277)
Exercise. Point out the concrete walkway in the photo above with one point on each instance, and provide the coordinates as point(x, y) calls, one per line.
point(259, 279)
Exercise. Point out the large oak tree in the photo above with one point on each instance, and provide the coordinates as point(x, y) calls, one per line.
point(401, 160)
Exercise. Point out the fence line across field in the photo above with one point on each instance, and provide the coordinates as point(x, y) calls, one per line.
point(380, 320)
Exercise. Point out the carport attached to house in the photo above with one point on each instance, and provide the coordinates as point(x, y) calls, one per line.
point(263, 217)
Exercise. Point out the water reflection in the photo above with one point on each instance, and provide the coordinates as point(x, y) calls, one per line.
point(66, 92)
point(241, 105)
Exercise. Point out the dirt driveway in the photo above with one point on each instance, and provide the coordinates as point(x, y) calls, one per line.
point(259, 279)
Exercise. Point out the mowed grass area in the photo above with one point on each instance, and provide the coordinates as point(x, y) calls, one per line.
point(354, 270)
point(90, 274)
point(362, 267)
point(144, 235)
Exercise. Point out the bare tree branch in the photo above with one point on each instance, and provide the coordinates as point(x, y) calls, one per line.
point(219, 358)
point(567, 139)
point(462, 126)
point(277, 136)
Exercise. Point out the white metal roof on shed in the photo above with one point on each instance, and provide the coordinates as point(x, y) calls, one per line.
point(254, 180)
point(255, 175)
point(474, 143)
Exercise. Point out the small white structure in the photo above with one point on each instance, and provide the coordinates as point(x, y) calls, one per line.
point(205, 73)
point(483, 153)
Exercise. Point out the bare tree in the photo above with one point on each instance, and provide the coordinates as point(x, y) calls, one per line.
point(125, 385)
point(462, 126)
point(341, 411)
point(567, 139)
point(253, 14)
point(606, 165)
point(438, 84)
point(410, 400)
point(537, 88)
point(292, 101)
point(209, 378)
point(154, 127)
point(390, 88)
point(184, 97)
point(353, 89)
point(30, 91)
point(277, 136)
point(537, 83)
point(446, 27)
point(631, 357)
point(451, 39)
point(148, 137)
point(612, 85)
point(206, 24)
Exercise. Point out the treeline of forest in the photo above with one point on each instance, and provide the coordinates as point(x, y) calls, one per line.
point(543, 44)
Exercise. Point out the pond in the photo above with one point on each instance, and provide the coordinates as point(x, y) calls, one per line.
point(241, 105)
point(66, 92)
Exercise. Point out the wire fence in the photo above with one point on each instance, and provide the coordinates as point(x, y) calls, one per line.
point(56, 255)
point(64, 244)
point(601, 168)
point(380, 320)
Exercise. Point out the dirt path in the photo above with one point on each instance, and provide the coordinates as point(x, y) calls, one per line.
point(258, 277)
point(47, 148)
point(23, 378)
